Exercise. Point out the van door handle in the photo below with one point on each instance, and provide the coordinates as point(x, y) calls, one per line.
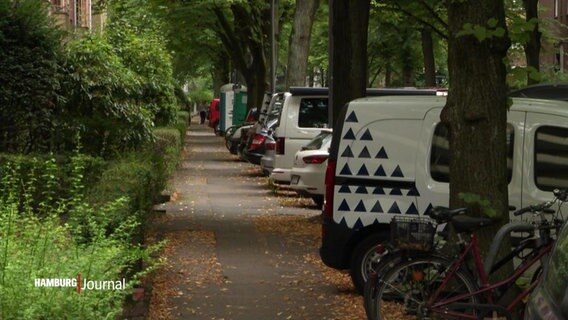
point(512, 208)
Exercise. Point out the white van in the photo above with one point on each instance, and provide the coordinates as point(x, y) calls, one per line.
point(304, 113)
point(389, 156)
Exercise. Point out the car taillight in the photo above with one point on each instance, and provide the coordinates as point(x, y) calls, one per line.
point(315, 159)
point(257, 141)
point(329, 185)
point(280, 145)
point(271, 145)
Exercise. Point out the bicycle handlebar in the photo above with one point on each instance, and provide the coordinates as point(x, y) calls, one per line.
point(560, 195)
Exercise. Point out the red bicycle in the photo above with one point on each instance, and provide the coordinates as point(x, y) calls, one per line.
point(430, 286)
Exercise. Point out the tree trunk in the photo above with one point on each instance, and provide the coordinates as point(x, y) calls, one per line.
point(299, 45)
point(348, 52)
point(428, 56)
point(532, 47)
point(476, 110)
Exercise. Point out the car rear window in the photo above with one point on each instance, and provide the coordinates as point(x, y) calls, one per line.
point(317, 142)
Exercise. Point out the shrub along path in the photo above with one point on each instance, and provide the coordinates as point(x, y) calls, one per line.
point(236, 249)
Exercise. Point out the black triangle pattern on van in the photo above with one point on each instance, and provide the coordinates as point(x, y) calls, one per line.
point(352, 117)
point(380, 172)
point(395, 192)
point(397, 172)
point(361, 190)
point(360, 207)
point(347, 153)
point(343, 222)
point(349, 135)
point(377, 208)
point(346, 171)
point(363, 171)
point(379, 190)
point(427, 211)
point(413, 192)
point(344, 206)
point(412, 209)
point(382, 154)
point(367, 136)
point(358, 224)
point(364, 153)
point(394, 208)
point(344, 189)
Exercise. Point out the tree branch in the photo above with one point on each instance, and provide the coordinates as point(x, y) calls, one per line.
point(398, 8)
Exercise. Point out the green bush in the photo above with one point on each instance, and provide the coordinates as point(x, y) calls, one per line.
point(34, 248)
point(184, 115)
point(182, 124)
point(138, 39)
point(140, 176)
point(30, 76)
point(165, 154)
point(131, 177)
point(103, 99)
point(46, 179)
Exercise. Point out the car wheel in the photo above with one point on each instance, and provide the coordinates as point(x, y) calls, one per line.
point(365, 257)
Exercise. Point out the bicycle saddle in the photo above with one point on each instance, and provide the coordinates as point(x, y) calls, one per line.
point(443, 214)
point(463, 223)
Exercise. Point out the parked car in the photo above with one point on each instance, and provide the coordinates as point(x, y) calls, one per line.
point(390, 156)
point(214, 115)
point(233, 137)
point(256, 144)
point(308, 172)
point(233, 133)
point(267, 160)
point(549, 300)
point(303, 115)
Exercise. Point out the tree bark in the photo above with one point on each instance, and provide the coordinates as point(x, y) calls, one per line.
point(348, 52)
point(476, 109)
point(299, 45)
point(532, 47)
point(428, 56)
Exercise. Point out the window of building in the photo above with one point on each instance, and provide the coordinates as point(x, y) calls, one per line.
point(440, 153)
point(551, 158)
point(313, 113)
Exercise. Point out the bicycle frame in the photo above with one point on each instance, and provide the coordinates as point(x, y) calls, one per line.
point(443, 307)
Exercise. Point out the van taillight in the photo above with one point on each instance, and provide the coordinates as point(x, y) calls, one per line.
point(329, 186)
point(270, 145)
point(280, 145)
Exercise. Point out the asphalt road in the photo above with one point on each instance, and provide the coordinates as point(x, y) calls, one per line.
point(222, 263)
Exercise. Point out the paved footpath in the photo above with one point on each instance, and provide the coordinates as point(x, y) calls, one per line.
point(221, 263)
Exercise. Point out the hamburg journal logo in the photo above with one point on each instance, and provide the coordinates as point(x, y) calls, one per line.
point(80, 284)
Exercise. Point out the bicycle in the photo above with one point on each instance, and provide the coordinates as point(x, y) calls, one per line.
point(429, 285)
point(390, 254)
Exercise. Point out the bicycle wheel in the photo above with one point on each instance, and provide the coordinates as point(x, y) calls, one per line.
point(386, 262)
point(403, 291)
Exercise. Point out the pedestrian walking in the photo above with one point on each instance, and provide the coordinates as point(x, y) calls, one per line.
point(202, 115)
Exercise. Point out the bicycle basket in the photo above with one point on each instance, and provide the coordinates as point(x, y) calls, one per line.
point(412, 233)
